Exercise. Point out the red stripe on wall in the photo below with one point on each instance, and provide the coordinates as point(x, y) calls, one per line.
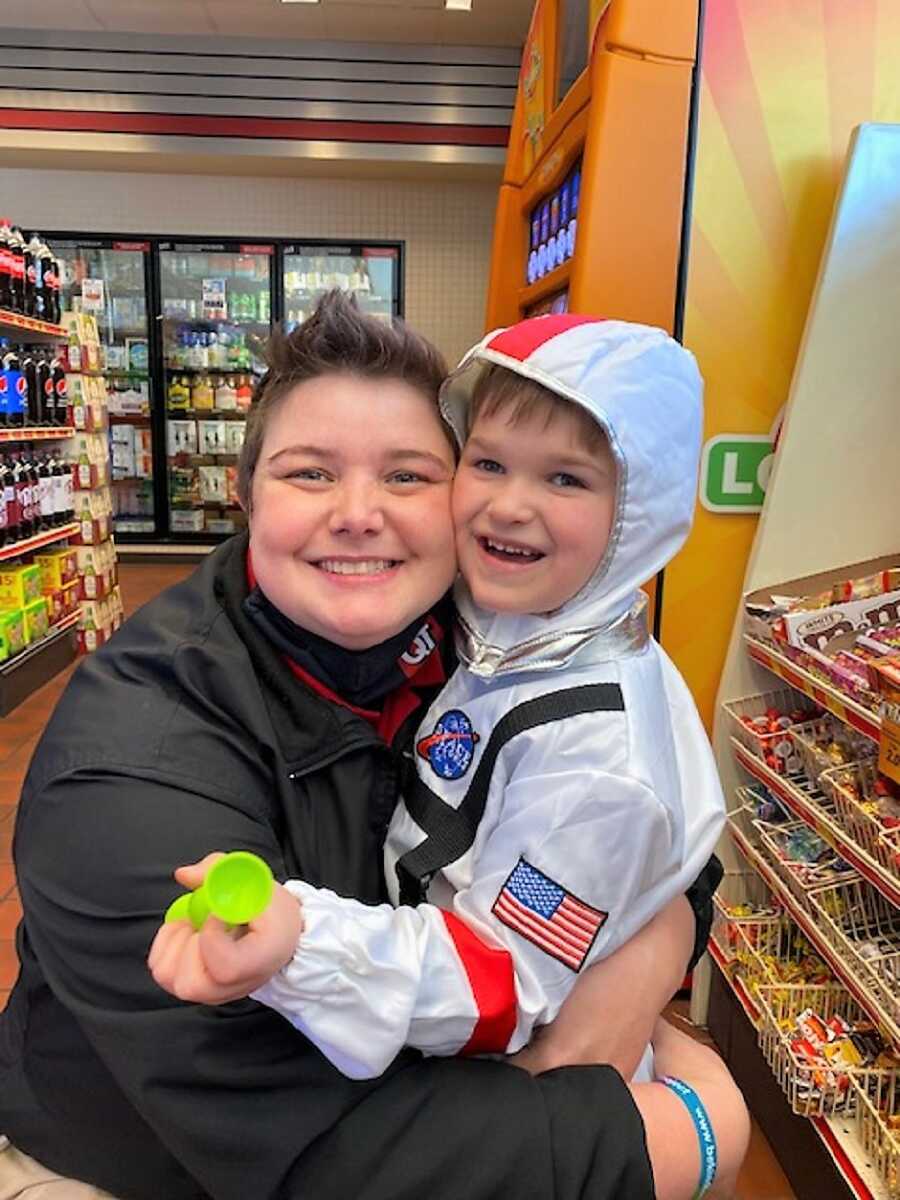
point(493, 985)
point(253, 127)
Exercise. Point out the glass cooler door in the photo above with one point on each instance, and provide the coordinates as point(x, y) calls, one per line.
point(216, 315)
point(371, 273)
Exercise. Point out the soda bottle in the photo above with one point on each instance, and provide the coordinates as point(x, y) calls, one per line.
point(59, 470)
point(34, 400)
point(16, 248)
point(22, 486)
point(42, 494)
point(34, 282)
point(3, 513)
point(5, 264)
point(51, 285)
point(10, 503)
point(45, 387)
point(15, 388)
point(60, 391)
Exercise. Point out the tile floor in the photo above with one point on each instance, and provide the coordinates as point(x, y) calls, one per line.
point(761, 1177)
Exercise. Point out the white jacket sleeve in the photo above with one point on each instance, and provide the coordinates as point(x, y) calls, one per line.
point(577, 861)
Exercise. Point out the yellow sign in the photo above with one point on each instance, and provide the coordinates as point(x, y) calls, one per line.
point(889, 746)
point(532, 78)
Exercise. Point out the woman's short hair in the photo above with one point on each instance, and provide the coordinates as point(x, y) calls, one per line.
point(337, 337)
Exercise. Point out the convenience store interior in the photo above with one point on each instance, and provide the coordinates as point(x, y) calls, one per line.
point(203, 169)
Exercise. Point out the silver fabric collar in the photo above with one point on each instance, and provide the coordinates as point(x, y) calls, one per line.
point(625, 636)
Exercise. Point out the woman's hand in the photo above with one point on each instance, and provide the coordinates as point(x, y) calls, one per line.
point(219, 964)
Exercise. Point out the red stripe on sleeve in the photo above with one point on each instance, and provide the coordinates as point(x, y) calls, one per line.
point(492, 980)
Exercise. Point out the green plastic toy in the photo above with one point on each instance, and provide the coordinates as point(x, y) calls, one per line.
point(236, 889)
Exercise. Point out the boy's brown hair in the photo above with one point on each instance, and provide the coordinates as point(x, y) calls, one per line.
point(498, 388)
point(337, 337)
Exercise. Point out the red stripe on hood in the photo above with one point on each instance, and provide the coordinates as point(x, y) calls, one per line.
point(520, 341)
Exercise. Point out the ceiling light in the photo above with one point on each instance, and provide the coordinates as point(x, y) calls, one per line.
point(458, 5)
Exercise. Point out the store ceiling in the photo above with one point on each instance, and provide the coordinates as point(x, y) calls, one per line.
point(427, 22)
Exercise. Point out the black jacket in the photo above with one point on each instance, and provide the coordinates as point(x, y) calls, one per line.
point(188, 733)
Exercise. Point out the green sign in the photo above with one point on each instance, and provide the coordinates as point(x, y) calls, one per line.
point(735, 472)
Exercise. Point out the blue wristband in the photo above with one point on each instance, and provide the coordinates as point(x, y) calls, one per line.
point(708, 1153)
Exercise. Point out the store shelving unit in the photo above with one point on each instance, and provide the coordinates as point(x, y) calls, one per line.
point(34, 666)
point(832, 500)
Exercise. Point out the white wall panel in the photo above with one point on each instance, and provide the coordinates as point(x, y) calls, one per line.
point(447, 227)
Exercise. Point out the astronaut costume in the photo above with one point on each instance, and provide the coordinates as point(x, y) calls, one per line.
point(564, 788)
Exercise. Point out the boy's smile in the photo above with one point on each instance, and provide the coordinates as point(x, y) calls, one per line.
point(532, 509)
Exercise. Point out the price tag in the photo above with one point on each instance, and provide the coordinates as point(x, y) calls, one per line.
point(888, 671)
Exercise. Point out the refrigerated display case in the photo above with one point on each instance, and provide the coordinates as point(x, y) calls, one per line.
point(370, 272)
point(183, 324)
point(216, 301)
point(111, 279)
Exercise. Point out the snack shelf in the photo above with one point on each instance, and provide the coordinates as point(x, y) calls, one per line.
point(845, 709)
point(40, 539)
point(806, 802)
point(817, 939)
point(29, 329)
point(839, 1134)
point(36, 433)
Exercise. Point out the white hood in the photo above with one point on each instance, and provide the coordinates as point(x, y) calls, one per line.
point(646, 392)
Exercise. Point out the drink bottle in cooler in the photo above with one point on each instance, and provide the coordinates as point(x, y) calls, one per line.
point(45, 388)
point(34, 280)
point(60, 391)
point(15, 388)
point(22, 487)
point(10, 503)
point(3, 511)
point(42, 509)
point(6, 296)
point(16, 249)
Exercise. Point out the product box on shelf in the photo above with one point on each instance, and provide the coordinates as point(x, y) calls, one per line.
point(37, 620)
point(19, 586)
point(83, 347)
point(12, 630)
point(71, 597)
point(187, 520)
point(57, 568)
point(87, 399)
point(55, 605)
point(807, 612)
point(887, 673)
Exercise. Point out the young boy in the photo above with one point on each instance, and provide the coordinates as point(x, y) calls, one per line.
point(563, 790)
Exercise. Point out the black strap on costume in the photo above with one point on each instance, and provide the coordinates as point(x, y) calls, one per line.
point(451, 831)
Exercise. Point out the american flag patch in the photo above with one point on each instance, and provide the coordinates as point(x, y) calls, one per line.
point(546, 914)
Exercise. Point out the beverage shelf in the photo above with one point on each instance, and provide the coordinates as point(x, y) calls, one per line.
point(843, 707)
point(814, 934)
point(29, 329)
point(40, 539)
point(188, 414)
point(37, 664)
point(214, 370)
point(36, 433)
point(807, 803)
point(128, 418)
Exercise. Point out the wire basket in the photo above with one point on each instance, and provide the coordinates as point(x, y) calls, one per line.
point(863, 927)
point(802, 878)
point(773, 747)
point(850, 787)
point(739, 889)
point(825, 743)
point(812, 1089)
point(877, 1096)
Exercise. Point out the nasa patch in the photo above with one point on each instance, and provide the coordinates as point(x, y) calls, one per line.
point(449, 750)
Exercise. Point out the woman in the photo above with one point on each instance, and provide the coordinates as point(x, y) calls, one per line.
point(263, 704)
